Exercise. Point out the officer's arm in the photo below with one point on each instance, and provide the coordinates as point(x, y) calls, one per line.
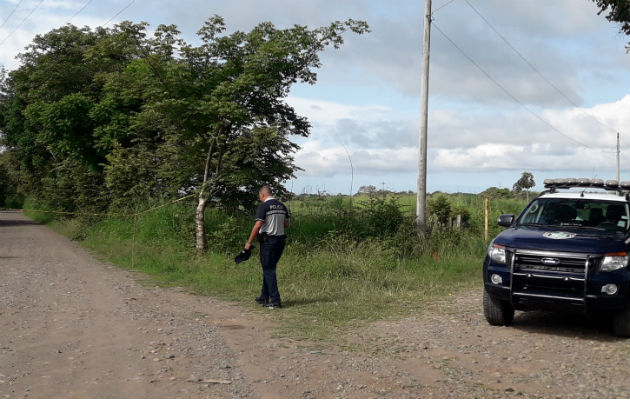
point(252, 235)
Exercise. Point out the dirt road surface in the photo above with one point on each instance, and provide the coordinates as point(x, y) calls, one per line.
point(71, 326)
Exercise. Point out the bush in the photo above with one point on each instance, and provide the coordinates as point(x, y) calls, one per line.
point(464, 212)
point(405, 242)
point(13, 201)
point(224, 238)
point(496, 193)
point(440, 206)
point(383, 216)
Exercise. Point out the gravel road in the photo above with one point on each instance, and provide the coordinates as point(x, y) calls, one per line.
point(71, 326)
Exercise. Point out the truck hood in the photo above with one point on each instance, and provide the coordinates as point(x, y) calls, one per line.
point(562, 239)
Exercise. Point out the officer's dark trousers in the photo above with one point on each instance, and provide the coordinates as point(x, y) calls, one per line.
point(270, 252)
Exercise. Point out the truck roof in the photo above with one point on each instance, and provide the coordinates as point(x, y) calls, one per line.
point(585, 195)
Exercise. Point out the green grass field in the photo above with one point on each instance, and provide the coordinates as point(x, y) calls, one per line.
point(343, 266)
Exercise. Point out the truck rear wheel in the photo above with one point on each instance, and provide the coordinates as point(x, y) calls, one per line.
point(621, 323)
point(497, 312)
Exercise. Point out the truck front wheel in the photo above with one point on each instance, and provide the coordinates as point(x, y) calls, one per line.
point(497, 312)
point(621, 323)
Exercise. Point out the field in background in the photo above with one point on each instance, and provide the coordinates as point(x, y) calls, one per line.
point(347, 261)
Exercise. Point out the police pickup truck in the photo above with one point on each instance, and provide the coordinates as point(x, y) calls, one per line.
point(567, 250)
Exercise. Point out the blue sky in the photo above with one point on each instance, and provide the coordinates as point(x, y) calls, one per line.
point(365, 106)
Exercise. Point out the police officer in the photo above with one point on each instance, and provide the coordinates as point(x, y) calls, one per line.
point(272, 218)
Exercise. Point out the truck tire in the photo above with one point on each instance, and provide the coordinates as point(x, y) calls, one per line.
point(497, 312)
point(621, 323)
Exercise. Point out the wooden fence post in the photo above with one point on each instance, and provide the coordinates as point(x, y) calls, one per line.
point(487, 216)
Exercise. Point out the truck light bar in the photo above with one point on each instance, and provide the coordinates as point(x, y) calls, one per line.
point(567, 183)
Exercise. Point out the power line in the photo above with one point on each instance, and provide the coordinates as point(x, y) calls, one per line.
point(520, 54)
point(22, 22)
point(10, 14)
point(119, 12)
point(81, 9)
point(540, 74)
point(509, 94)
point(442, 6)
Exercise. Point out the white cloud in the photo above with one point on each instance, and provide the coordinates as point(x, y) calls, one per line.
point(328, 112)
point(319, 160)
point(459, 141)
point(593, 126)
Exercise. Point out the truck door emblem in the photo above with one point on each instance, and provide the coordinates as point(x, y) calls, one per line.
point(559, 235)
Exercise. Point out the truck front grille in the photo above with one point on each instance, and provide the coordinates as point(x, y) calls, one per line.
point(550, 263)
point(549, 275)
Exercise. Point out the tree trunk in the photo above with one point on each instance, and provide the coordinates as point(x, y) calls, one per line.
point(200, 230)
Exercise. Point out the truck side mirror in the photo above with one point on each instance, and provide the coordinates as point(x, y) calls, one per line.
point(505, 220)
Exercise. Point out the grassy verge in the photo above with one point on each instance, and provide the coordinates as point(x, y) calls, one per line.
point(330, 280)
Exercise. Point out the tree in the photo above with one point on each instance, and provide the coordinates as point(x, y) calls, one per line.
point(369, 189)
point(618, 11)
point(440, 206)
point(5, 182)
point(217, 117)
point(119, 117)
point(47, 109)
point(525, 182)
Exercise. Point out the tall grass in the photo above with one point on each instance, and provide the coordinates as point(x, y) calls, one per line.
point(343, 265)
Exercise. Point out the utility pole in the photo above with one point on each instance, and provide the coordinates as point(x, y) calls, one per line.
point(618, 164)
point(421, 201)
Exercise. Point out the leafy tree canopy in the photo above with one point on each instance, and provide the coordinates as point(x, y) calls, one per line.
point(525, 182)
point(496, 193)
point(108, 117)
point(616, 11)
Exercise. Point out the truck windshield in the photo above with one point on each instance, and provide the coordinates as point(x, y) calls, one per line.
point(596, 214)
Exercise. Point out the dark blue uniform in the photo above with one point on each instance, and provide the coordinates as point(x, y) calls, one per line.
point(273, 214)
